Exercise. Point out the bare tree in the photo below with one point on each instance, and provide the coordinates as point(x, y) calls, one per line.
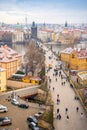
point(34, 57)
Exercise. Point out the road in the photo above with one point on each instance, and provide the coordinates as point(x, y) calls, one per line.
point(23, 92)
point(76, 121)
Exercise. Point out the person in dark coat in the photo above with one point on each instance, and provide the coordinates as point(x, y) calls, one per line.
point(66, 110)
point(67, 117)
point(59, 117)
point(77, 109)
point(58, 110)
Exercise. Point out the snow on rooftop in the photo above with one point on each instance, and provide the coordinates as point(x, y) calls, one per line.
point(7, 54)
point(83, 75)
point(67, 50)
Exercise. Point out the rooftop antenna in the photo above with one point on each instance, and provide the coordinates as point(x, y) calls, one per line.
point(26, 21)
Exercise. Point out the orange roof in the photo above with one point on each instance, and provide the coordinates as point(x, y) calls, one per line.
point(47, 30)
point(76, 30)
point(84, 32)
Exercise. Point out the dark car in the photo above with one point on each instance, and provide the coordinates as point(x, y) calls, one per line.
point(33, 126)
point(23, 106)
point(5, 121)
point(32, 119)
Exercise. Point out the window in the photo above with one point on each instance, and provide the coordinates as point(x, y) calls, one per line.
point(73, 56)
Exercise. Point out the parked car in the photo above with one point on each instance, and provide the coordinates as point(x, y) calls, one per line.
point(5, 121)
point(23, 106)
point(32, 119)
point(33, 126)
point(39, 114)
point(14, 102)
point(3, 108)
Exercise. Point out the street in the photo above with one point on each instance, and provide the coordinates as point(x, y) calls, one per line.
point(66, 94)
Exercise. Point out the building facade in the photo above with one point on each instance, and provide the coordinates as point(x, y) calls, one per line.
point(2, 79)
point(34, 30)
point(9, 60)
point(75, 59)
point(66, 38)
point(17, 36)
point(82, 78)
point(65, 56)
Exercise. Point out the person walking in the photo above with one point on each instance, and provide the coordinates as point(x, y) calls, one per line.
point(59, 117)
point(64, 82)
point(57, 110)
point(56, 79)
point(58, 101)
point(81, 115)
point(57, 95)
point(50, 80)
point(66, 110)
point(77, 109)
point(67, 117)
point(61, 83)
point(53, 88)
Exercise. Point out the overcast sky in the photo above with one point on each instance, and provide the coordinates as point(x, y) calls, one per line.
point(40, 11)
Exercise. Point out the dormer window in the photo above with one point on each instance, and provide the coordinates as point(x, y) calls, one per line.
point(73, 56)
point(0, 58)
point(0, 52)
point(9, 57)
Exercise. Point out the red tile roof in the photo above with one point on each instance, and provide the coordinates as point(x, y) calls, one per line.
point(81, 53)
point(47, 30)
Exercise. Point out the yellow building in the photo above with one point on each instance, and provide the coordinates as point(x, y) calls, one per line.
point(78, 59)
point(65, 56)
point(9, 60)
point(75, 59)
point(2, 79)
point(54, 37)
point(66, 38)
point(31, 79)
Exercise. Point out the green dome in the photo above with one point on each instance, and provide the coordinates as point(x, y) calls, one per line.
point(18, 26)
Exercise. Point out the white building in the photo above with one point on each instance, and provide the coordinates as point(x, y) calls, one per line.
point(45, 35)
point(18, 36)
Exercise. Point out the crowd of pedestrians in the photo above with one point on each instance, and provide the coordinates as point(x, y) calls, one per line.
point(58, 74)
point(62, 111)
point(57, 79)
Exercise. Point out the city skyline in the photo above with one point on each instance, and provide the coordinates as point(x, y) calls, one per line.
point(48, 11)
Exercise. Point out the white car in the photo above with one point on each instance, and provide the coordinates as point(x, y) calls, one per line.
point(14, 102)
point(33, 126)
point(3, 108)
point(5, 121)
point(39, 114)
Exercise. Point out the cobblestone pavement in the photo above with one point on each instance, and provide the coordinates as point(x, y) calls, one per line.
point(76, 121)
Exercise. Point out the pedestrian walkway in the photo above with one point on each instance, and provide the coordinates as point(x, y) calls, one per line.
point(66, 95)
